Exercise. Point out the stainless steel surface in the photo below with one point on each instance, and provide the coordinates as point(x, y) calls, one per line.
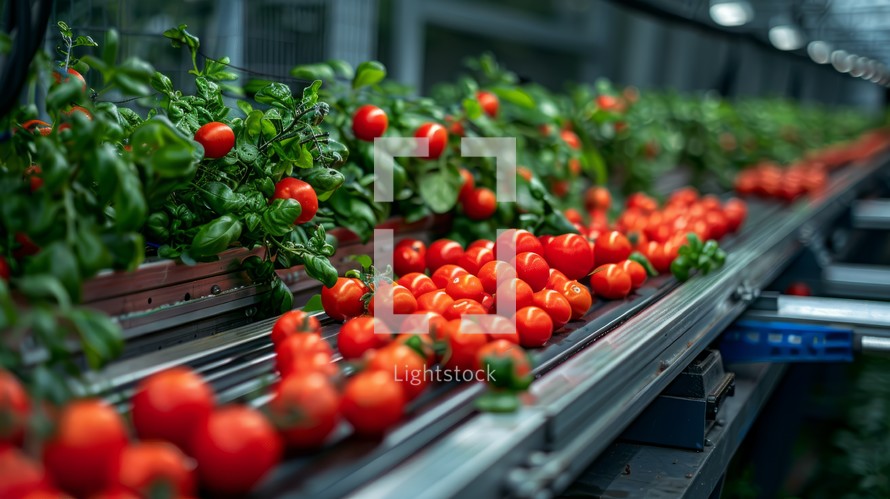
point(838, 310)
point(871, 214)
point(594, 395)
point(866, 281)
point(875, 344)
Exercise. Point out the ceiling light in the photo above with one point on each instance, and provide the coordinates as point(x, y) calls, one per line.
point(820, 52)
point(840, 59)
point(786, 37)
point(880, 69)
point(868, 69)
point(857, 66)
point(731, 12)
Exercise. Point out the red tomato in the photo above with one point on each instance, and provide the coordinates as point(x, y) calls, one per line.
point(469, 183)
point(305, 407)
point(736, 211)
point(15, 407)
point(534, 326)
point(359, 335)
point(438, 138)
point(302, 192)
point(575, 168)
point(492, 271)
point(41, 127)
point(421, 343)
point(304, 353)
point(217, 138)
point(611, 282)
point(522, 240)
point(524, 173)
point(636, 272)
point(571, 139)
point(235, 448)
point(464, 341)
point(435, 301)
point(570, 254)
point(73, 72)
point(609, 103)
point(464, 306)
point(597, 198)
point(414, 323)
point(344, 300)
point(409, 256)
point(718, 225)
point(405, 365)
point(169, 406)
point(26, 246)
point(556, 305)
point(294, 322)
point(83, 454)
point(574, 216)
point(32, 174)
point(372, 402)
point(498, 327)
point(112, 493)
point(480, 204)
point(642, 202)
point(443, 252)
point(516, 291)
point(560, 188)
point(20, 476)
point(578, 296)
point(475, 258)
point(611, 247)
point(655, 253)
point(402, 300)
point(684, 197)
point(481, 243)
point(465, 286)
point(369, 122)
point(150, 466)
point(500, 350)
point(455, 126)
point(798, 289)
point(489, 102)
point(533, 269)
point(556, 279)
point(637, 239)
point(446, 273)
point(417, 283)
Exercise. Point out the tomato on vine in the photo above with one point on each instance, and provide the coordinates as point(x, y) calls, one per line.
point(489, 102)
point(369, 122)
point(217, 138)
point(480, 204)
point(344, 299)
point(437, 137)
point(300, 191)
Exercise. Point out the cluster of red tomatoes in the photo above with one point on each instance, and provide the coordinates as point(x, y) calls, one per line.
point(657, 232)
point(184, 440)
point(772, 181)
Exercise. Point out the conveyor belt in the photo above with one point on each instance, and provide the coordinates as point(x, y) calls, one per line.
point(628, 350)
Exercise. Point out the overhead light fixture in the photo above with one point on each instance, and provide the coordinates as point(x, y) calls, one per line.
point(786, 37)
point(840, 59)
point(731, 12)
point(857, 66)
point(819, 51)
point(880, 69)
point(870, 69)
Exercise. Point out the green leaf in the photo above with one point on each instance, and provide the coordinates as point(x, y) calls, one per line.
point(472, 108)
point(321, 269)
point(310, 94)
point(221, 199)
point(498, 401)
point(44, 286)
point(215, 237)
point(368, 73)
point(110, 46)
point(161, 83)
point(439, 190)
point(342, 69)
point(515, 95)
point(304, 160)
point(281, 299)
point(279, 217)
point(310, 72)
point(101, 338)
point(57, 260)
point(162, 147)
point(92, 255)
point(364, 260)
point(314, 304)
point(245, 107)
point(276, 95)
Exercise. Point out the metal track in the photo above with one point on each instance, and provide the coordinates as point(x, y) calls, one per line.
point(579, 407)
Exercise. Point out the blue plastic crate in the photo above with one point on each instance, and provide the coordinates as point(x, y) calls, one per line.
point(756, 341)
